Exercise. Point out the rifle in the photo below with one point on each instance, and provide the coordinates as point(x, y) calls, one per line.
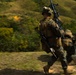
point(56, 14)
point(47, 44)
point(45, 41)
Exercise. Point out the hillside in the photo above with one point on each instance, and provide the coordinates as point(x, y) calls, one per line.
point(32, 8)
point(29, 63)
point(19, 18)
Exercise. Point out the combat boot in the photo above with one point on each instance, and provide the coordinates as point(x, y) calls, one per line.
point(46, 69)
point(66, 72)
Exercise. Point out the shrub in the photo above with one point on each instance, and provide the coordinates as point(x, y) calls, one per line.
point(19, 35)
point(6, 33)
point(5, 38)
point(71, 26)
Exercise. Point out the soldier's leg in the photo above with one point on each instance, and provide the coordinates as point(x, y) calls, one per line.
point(49, 64)
point(64, 64)
point(70, 52)
point(63, 60)
point(69, 58)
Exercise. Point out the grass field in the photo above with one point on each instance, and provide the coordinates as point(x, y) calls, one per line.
point(28, 63)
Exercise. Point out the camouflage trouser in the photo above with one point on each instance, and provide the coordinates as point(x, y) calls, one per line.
point(70, 51)
point(69, 47)
point(61, 55)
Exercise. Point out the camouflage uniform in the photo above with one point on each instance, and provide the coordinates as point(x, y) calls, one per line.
point(51, 31)
point(68, 45)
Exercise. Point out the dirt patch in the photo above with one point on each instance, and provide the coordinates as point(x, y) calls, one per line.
point(58, 69)
point(71, 68)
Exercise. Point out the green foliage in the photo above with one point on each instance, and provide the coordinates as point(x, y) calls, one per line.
point(33, 42)
point(3, 21)
point(6, 33)
point(19, 35)
point(31, 7)
point(5, 38)
point(42, 3)
point(18, 42)
point(28, 4)
point(30, 34)
point(71, 26)
point(7, 0)
point(8, 23)
point(3, 6)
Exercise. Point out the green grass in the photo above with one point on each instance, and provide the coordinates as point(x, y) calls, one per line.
point(24, 63)
point(22, 60)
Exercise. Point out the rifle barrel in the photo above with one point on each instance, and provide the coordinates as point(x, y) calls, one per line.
point(56, 14)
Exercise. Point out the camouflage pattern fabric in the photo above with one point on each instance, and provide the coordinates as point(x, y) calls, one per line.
point(51, 31)
point(69, 46)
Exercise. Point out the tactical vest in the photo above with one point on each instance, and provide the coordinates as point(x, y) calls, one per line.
point(46, 30)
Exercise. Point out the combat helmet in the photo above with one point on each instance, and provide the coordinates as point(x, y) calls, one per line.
point(68, 33)
point(47, 10)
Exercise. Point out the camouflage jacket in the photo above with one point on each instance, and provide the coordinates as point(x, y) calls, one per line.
point(51, 31)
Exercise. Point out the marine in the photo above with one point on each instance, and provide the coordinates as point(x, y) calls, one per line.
point(51, 31)
point(69, 45)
